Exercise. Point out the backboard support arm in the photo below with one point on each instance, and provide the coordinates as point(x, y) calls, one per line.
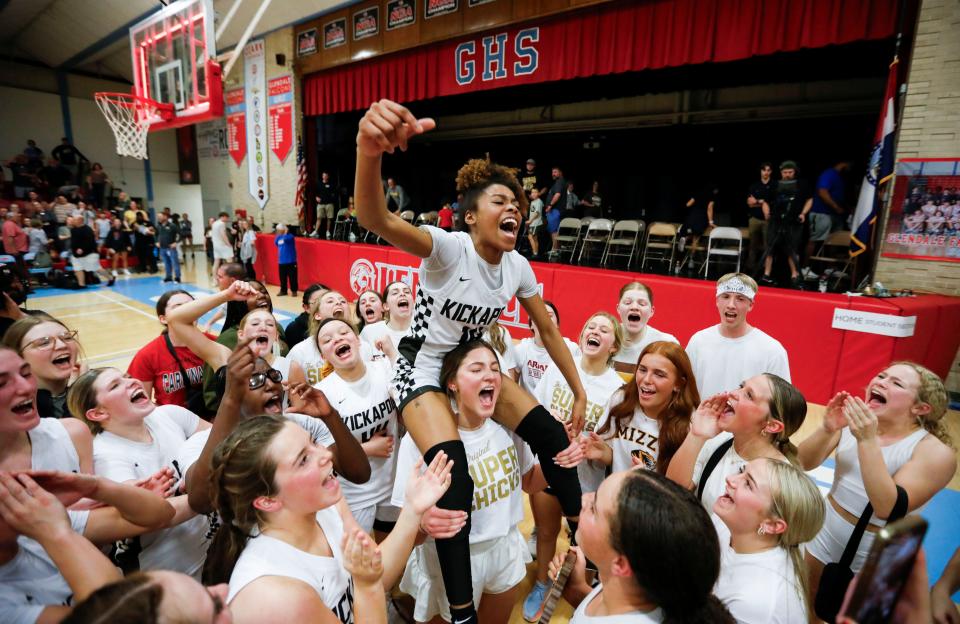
point(237, 51)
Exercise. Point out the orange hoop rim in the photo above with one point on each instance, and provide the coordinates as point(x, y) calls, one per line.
point(131, 100)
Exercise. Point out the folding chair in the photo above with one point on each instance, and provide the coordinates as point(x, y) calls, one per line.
point(407, 215)
point(567, 237)
point(581, 233)
point(598, 233)
point(725, 242)
point(834, 252)
point(661, 244)
point(623, 240)
point(340, 225)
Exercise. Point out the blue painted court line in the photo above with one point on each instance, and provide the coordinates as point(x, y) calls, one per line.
point(147, 290)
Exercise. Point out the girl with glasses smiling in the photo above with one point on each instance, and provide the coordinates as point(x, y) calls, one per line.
point(53, 353)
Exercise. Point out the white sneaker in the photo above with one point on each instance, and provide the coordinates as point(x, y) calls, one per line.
point(808, 273)
point(532, 543)
point(328, 235)
point(127, 272)
point(113, 273)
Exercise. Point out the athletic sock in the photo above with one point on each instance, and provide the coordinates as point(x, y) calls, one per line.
point(454, 552)
point(547, 438)
point(463, 615)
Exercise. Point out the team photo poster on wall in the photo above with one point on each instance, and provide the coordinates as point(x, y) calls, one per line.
point(924, 221)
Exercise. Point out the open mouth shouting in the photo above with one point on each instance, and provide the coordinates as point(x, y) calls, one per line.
point(730, 316)
point(488, 397)
point(647, 392)
point(509, 226)
point(343, 351)
point(274, 404)
point(369, 314)
point(23, 408)
point(262, 341)
point(63, 361)
point(139, 397)
point(875, 398)
point(592, 343)
point(330, 482)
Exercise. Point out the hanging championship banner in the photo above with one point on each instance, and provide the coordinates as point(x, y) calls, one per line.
point(236, 125)
point(255, 92)
point(924, 221)
point(280, 111)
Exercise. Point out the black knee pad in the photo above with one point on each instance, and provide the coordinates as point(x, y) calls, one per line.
point(453, 552)
point(547, 438)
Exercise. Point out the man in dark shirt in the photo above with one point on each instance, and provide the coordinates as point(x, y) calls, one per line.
point(83, 251)
point(23, 178)
point(68, 156)
point(531, 179)
point(760, 191)
point(168, 235)
point(792, 201)
point(326, 206)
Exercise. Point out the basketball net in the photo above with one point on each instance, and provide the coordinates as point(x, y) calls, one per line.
point(130, 117)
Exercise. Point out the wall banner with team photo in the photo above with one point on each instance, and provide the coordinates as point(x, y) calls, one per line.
point(924, 219)
point(435, 8)
point(401, 13)
point(307, 42)
point(255, 95)
point(280, 112)
point(335, 33)
point(366, 23)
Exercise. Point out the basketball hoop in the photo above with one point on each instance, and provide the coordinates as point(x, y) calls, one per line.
point(130, 117)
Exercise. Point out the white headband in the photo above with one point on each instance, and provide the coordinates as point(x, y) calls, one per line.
point(736, 285)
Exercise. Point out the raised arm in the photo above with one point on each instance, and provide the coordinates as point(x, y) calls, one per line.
point(181, 323)
point(240, 367)
point(815, 449)
point(557, 348)
point(385, 127)
point(703, 426)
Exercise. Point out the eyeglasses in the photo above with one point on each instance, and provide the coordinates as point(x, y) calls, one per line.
point(46, 342)
point(258, 379)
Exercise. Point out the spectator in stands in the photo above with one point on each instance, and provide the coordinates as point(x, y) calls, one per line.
point(186, 234)
point(760, 191)
point(101, 226)
point(572, 206)
point(592, 202)
point(34, 155)
point(220, 239)
point(70, 157)
point(445, 217)
point(397, 198)
point(87, 212)
point(297, 329)
point(700, 212)
point(326, 206)
point(97, 181)
point(144, 240)
point(531, 179)
point(13, 294)
point(53, 177)
point(23, 179)
point(118, 245)
point(63, 209)
point(15, 243)
point(129, 211)
point(168, 234)
point(286, 260)
point(123, 200)
point(38, 242)
point(555, 202)
point(83, 252)
point(534, 221)
point(827, 213)
point(792, 202)
point(726, 354)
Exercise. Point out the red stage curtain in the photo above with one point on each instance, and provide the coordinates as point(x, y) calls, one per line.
point(608, 39)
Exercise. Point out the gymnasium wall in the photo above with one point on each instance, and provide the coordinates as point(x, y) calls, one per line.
point(930, 128)
point(282, 176)
point(27, 114)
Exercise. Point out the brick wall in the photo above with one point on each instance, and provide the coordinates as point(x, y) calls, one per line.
point(930, 128)
point(282, 176)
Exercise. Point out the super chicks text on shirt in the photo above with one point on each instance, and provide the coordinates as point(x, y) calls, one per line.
point(561, 405)
point(495, 473)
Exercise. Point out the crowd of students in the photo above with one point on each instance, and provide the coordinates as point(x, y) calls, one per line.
point(389, 443)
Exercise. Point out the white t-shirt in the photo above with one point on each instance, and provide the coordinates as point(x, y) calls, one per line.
point(533, 360)
point(629, 353)
point(366, 408)
point(635, 617)
point(375, 331)
point(218, 234)
point(268, 556)
point(722, 364)
point(758, 588)
point(729, 464)
point(181, 548)
point(307, 355)
point(554, 394)
point(638, 436)
point(30, 581)
point(498, 460)
point(459, 297)
point(51, 447)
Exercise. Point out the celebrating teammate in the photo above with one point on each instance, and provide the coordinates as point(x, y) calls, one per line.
point(466, 281)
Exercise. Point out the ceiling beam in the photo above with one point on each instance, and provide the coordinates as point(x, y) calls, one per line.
point(106, 41)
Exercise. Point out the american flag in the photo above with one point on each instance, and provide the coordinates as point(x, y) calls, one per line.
point(301, 199)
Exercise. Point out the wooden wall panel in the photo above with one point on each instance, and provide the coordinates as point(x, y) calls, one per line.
point(339, 54)
point(442, 26)
point(488, 15)
point(370, 45)
point(404, 36)
point(551, 6)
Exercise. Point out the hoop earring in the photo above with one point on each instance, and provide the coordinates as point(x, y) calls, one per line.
point(761, 530)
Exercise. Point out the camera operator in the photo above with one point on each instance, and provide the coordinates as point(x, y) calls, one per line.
point(14, 294)
point(792, 201)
